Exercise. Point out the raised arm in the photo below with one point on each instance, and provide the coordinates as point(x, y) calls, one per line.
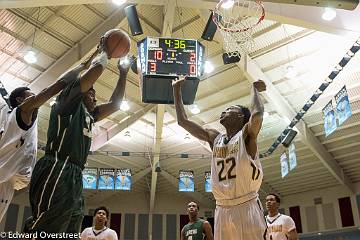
point(252, 128)
point(193, 128)
point(104, 110)
point(256, 109)
point(36, 101)
point(208, 231)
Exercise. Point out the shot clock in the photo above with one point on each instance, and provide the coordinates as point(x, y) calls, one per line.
point(163, 59)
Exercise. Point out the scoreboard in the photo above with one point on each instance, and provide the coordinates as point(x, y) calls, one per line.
point(160, 60)
point(171, 57)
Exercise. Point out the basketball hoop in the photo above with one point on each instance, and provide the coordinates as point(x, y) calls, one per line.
point(236, 20)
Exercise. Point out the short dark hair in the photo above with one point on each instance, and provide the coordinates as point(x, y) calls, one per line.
point(277, 198)
point(246, 112)
point(17, 92)
point(102, 208)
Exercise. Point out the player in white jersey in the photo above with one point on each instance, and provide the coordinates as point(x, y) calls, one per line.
point(99, 231)
point(236, 172)
point(280, 226)
point(18, 135)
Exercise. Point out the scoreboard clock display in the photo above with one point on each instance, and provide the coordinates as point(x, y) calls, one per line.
point(160, 60)
point(170, 56)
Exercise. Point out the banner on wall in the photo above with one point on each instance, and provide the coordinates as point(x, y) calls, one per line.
point(329, 119)
point(292, 157)
point(123, 179)
point(89, 178)
point(106, 178)
point(186, 181)
point(208, 182)
point(284, 165)
point(343, 108)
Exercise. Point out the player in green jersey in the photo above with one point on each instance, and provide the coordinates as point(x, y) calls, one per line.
point(197, 228)
point(56, 184)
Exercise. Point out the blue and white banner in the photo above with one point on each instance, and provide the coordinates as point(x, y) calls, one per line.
point(107, 178)
point(329, 119)
point(208, 182)
point(292, 157)
point(343, 108)
point(123, 179)
point(89, 178)
point(186, 181)
point(284, 165)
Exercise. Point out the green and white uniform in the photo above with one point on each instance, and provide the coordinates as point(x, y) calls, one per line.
point(56, 183)
point(194, 231)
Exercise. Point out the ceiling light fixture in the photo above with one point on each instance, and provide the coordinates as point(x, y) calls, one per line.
point(329, 14)
point(30, 57)
point(118, 2)
point(208, 67)
point(124, 106)
point(228, 4)
point(194, 109)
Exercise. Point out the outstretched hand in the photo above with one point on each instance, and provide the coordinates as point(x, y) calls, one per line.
point(102, 46)
point(178, 82)
point(259, 85)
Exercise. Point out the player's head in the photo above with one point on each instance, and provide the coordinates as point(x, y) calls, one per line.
point(272, 202)
point(18, 96)
point(193, 209)
point(235, 115)
point(89, 99)
point(101, 215)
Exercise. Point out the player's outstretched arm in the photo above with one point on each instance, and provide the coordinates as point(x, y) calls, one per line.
point(252, 128)
point(193, 128)
point(256, 109)
point(208, 231)
point(104, 110)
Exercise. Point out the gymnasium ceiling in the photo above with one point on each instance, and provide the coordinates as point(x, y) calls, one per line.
point(289, 36)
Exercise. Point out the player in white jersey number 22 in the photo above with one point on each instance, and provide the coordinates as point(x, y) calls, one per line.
point(236, 171)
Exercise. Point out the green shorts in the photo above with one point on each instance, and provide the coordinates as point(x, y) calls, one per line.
point(56, 196)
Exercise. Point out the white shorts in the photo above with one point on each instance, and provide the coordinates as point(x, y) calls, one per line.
point(6, 195)
point(241, 222)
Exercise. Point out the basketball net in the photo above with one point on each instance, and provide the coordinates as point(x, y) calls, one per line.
point(235, 20)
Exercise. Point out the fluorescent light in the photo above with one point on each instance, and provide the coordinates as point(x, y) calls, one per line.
point(208, 67)
point(30, 57)
point(228, 4)
point(195, 109)
point(329, 14)
point(125, 61)
point(290, 72)
point(124, 106)
point(118, 2)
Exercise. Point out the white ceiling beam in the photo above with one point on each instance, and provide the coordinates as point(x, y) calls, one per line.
point(284, 109)
point(106, 135)
point(159, 127)
point(168, 22)
point(76, 52)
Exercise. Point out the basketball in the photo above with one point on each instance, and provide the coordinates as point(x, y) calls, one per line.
point(117, 43)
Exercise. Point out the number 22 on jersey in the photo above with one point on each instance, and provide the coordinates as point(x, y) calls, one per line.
point(230, 165)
